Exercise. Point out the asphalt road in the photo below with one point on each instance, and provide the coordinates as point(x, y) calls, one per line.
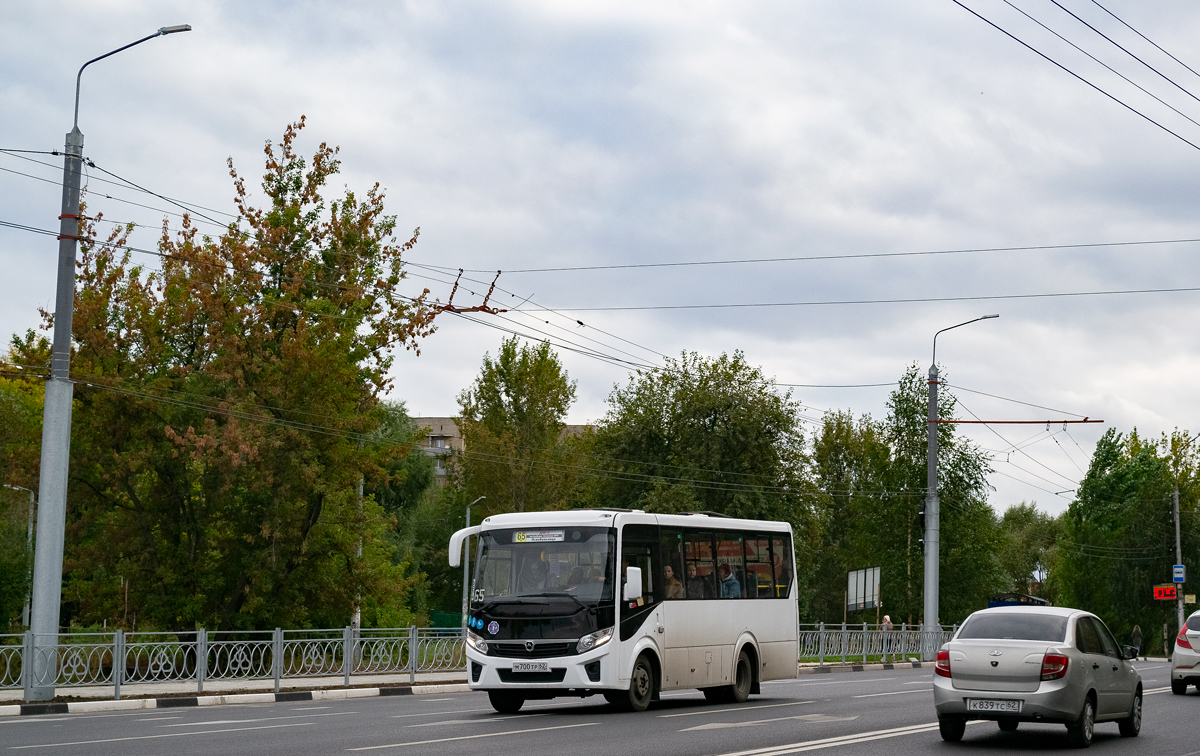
point(884, 712)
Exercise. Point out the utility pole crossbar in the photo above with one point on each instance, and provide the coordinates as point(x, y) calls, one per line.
point(1012, 422)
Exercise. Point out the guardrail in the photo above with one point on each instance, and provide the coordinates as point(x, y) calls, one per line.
point(119, 658)
point(115, 659)
point(864, 643)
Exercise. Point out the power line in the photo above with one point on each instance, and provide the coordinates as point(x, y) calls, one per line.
point(904, 300)
point(1096, 87)
point(1143, 36)
point(1126, 51)
point(808, 258)
point(1005, 398)
point(1128, 80)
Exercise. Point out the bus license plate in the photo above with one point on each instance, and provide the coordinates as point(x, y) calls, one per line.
point(990, 704)
point(531, 667)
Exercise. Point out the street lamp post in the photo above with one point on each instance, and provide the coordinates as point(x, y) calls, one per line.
point(28, 549)
point(466, 566)
point(932, 504)
point(56, 415)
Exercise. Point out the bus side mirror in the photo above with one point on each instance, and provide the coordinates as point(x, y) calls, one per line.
point(633, 583)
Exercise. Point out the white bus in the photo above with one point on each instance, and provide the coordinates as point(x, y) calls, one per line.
point(701, 601)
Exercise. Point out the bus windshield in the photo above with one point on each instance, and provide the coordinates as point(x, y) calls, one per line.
point(547, 561)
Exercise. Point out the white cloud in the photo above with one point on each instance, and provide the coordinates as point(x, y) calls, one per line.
point(531, 134)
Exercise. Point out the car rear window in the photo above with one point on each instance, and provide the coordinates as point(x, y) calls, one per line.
point(1193, 623)
point(1015, 626)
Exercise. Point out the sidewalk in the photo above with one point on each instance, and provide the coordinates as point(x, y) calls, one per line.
point(228, 687)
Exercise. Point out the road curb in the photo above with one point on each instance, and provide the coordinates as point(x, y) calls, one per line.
point(837, 668)
point(232, 699)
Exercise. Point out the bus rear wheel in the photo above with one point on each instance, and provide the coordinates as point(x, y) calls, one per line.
point(506, 701)
point(743, 680)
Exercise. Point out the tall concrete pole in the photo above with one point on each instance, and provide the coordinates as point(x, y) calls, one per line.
point(933, 505)
point(56, 417)
point(1178, 558)
point(932, 510)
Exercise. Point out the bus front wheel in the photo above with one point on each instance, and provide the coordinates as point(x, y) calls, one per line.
point(506, 701)
point(641, 688)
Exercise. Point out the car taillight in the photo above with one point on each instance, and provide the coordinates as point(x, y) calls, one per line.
point(1181, 640)
point(942, 665)
point(1054, 666)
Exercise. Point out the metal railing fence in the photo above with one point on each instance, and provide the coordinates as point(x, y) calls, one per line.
point(119, 658)
point(115, 659)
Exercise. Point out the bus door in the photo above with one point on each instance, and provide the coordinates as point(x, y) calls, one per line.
point(640, 617)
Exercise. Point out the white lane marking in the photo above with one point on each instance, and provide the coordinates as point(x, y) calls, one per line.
point(862, 737)
point(257, 719)
point(835, 682)
point(1152, 691)
point(431, 700)
point(757, 722)
point(162, 735)
point(1156, 666)
point(155, 719)
point(473, 737)
point(921, 682)
point(722, 711)
point(310, 708)
point(893, 693)
point(487, 720)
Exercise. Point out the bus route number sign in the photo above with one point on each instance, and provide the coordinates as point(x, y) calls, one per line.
point(1165, 592)
point(538, 536)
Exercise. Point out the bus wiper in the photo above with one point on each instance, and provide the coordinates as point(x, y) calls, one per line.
point(555, 594)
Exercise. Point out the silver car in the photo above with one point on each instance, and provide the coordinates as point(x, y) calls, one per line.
point(1036, 664)
point(1185, 659)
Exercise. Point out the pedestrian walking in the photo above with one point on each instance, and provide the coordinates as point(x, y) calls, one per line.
point(887, 628)
point(1137, 639)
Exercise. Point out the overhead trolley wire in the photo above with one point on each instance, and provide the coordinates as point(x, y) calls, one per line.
point(1096, 87)
point(1143, 36)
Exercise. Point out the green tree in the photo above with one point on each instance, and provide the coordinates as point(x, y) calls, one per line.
point(1119, 534)
point(708, 434)
point(225, 403)
point(512, 423)
point(20, 429)
point(1028, 552)
point(871, 479)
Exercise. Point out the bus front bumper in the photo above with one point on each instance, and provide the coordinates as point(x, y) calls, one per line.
point(594, 670)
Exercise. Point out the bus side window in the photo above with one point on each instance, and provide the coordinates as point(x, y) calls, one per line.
point(758, 567)
point(731, 567)
point(781, 548)
point(699, 566)
point(671, 545)
point(639, 548)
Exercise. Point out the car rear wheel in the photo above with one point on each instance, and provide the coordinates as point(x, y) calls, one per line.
point(1008, 725)
point(1132, 725)
point(1178, 687)
point(952, 728)
point(506, 701)
point(1081, 732)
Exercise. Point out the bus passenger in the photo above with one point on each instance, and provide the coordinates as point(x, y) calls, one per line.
point(674, 587)
point(697, 587)
point(729, 584)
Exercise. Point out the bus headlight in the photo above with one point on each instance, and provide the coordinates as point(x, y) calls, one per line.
point(477, 643)
point(588, 642)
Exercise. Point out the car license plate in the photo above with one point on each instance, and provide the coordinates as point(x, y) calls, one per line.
point(1007, 706)
point(531, 667)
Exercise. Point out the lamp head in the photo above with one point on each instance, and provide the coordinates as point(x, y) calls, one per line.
point(174, 29)
point(989, 317)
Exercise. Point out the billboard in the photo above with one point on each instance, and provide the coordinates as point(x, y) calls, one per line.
point(862, 589)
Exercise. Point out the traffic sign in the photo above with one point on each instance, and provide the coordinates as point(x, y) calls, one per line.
point(1166, 592)
point(1177, 573)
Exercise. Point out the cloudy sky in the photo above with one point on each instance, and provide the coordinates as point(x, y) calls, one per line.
point(551, 134)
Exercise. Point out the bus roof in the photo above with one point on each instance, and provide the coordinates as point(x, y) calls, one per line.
point(612, 518)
